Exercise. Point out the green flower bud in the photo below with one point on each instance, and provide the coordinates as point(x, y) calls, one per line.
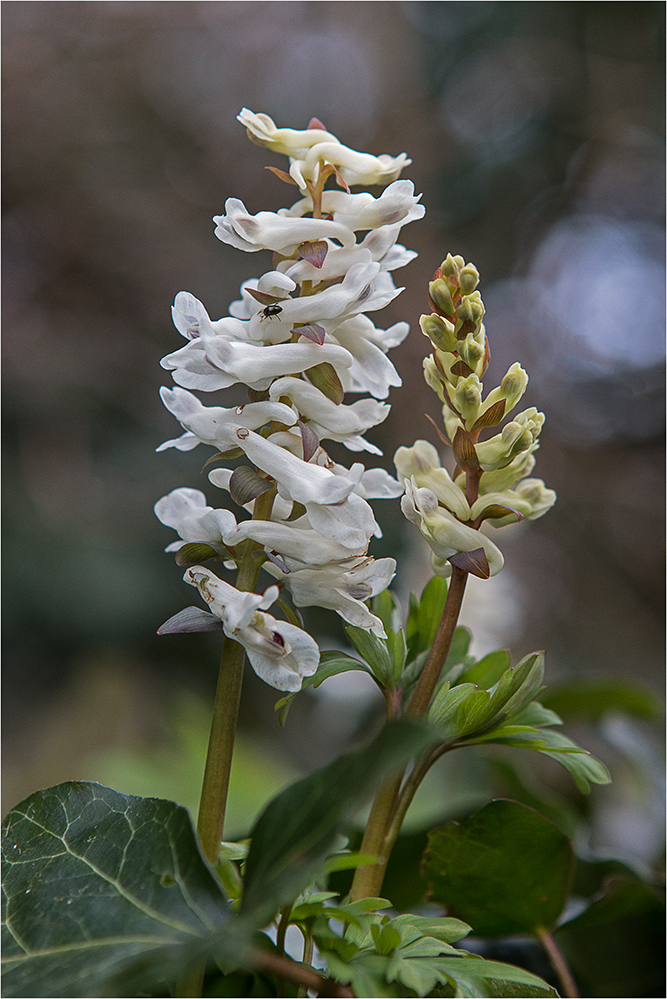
point(503, 478)
point(452, 265)
point(511, 389)
point(441, 297)
point(464, 310)
point(499, 451)
point(476, 305)
point(537, 496)
point(468, 279)
point(471, 351)
point(468, 397)
point(440, 332)
point(532, 420)
point(508, 498)
point(433, 378)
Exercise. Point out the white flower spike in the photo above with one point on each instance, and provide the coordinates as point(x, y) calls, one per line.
point(299, 337)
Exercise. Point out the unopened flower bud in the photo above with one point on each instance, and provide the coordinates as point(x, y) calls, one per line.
point(535, 493)
point(503, 478)
point(440, 332)
point(468, 279)
point(511, 389)
point(500, 450)
point(433, 378)
point(471, 351)
point(532, 421)
point(477, 305)
point(441, 296)
point(464, 310)
point(468, 397)
point(452, 265)
point(513, 385)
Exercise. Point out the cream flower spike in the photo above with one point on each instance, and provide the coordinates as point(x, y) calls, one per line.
point(309, 148)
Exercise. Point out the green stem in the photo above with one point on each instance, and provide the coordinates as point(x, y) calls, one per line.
point(220, 748)
point(390, 804)
point(410, 788)
point(421, 698)
point(368, 878)
point(559, 964)
point(213, 801)
point(307, 959)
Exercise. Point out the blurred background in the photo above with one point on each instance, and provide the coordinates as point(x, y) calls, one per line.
point(536, 134)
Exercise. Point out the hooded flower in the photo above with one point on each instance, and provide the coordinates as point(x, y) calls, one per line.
point(186, 511)
point(445, 535)
point(344, 587)
point(280, 653)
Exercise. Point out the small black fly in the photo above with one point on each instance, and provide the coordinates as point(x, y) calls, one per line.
point(270, 310)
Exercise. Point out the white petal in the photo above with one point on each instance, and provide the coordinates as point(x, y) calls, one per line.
point(215, 425)
point(186, 511)
point(268, 230)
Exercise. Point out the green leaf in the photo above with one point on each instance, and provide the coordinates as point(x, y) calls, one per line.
point(584, 768)
point(537, 715)
point(458, 651)
point(331, 663)
point(446, 703)
point(386, 938)
point(531, 669)
point(424, 616)
point(505, 869)
point(591, 699)
point(375, 651)
point(95, 880)
point(347, 861)
point(488, 670)
point(297, 830)
point(478, 977)
point(444, 928)
point(386, 606)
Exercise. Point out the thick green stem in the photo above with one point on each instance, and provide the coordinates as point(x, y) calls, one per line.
point(368, 878)
point(220, 749)
point(559, 964)
point(213, 801)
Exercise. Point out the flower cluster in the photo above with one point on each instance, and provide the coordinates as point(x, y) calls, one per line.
point(300, 338)
point(490, 480)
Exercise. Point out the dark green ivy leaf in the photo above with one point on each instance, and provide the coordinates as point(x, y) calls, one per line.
point(96, 881)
